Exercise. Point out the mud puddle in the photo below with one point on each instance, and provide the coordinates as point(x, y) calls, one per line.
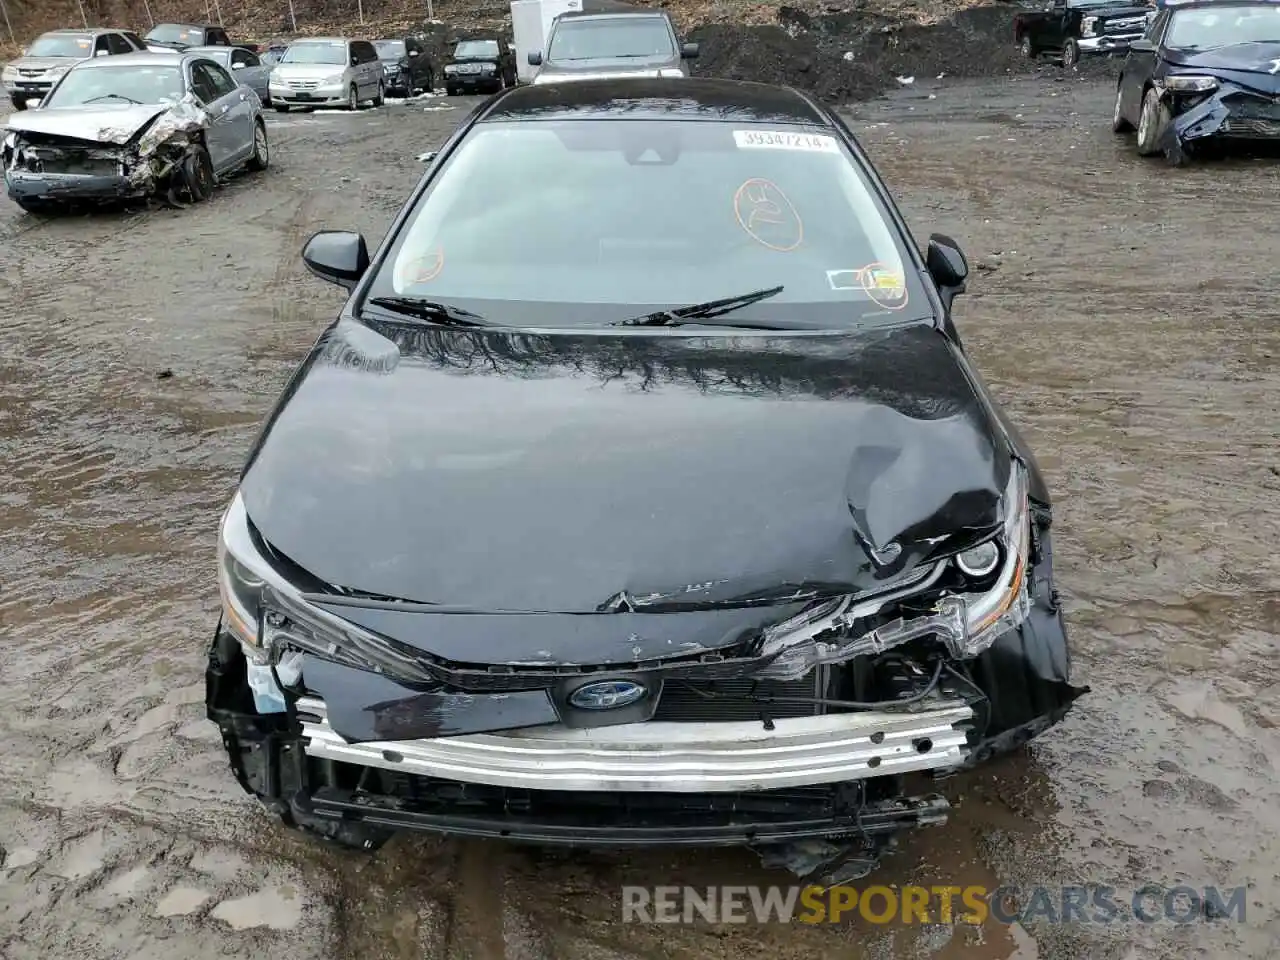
point(1117, 312)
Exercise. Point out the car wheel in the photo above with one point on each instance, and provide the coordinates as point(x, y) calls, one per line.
point(1028, 48)
point(197, 170)
point(381, 98)
point(19, 103)
point(261, 158)
point(1070, 53)
point(1118, 123)
point(1152, 122)
point(280, 107)
point(450, 91)
point(353, 98)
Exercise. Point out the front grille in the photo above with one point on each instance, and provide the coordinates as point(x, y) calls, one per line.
point(1250, 127)
point(304, 84)
point(730, 699)
point(1128, 25)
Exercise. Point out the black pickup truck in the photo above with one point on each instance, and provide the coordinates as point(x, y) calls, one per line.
point(1073, 28)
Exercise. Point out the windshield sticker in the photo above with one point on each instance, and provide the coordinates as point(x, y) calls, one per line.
point(782, 140)
point(83, 44)
point(767, 215)
point(421, 269)
point(885, 286)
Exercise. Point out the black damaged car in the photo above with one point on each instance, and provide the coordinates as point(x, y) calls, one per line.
point(1207, 74)
point(683, 518)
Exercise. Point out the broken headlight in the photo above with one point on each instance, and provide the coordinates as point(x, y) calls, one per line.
point(1186, 83)
point(268, 614)
point(967, 622)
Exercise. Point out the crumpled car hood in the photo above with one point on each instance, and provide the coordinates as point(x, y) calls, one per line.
point(502, 471)
point(1255, 65)
point(113, 123)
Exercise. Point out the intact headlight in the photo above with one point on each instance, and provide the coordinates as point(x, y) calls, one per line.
point(9, 73)
point(1087, 26)
point(335, 78)
point(59, 70)
point(1190, 84)
point(266, 613)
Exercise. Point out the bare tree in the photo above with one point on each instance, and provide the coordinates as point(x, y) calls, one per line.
point(4, 8)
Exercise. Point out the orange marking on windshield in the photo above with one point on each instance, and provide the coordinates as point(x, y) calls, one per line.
point(425, 268)
point(767, 215)
point(885, 286)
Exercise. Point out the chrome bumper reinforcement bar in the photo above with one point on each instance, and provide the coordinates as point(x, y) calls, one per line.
point(668, 757)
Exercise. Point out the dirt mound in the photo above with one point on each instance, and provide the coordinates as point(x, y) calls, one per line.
point(854, 55)
point(772, 55)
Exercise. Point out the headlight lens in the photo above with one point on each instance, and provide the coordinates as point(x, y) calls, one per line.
point(335, 78)
point(1005, 605)
point(267, 613)
point(980, 561)
point(1087, 26)
point(59, 70)
point(9, 73)
point(1191, 84)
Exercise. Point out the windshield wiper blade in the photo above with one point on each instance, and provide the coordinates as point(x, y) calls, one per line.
point(434, 311)
point(700, 312)
point(113, 96)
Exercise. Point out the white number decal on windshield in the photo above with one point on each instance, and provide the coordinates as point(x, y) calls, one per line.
point(783, 140)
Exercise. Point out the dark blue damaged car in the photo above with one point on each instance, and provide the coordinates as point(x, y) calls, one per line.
point(641, 493)
point(1207, 73)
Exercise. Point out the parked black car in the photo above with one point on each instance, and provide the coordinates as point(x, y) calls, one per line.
point(1208, 73)
point(180, 36)
point(697, 468)
point(1074, 28)
point(407, 67)
point(480, 65)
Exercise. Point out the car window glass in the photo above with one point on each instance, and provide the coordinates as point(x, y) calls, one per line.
point(243, 57)
point(101, 44)
point(223, 82)
point(367, 52)
point(202, 84)
point(118, 44)
point(136, 40)
point(777, 207)
point(613, 37)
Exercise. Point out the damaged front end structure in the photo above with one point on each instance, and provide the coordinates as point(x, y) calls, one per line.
point(797, 732)
point(151, 151)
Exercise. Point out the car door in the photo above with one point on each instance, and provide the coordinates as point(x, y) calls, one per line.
point(370, 68)
point(230, 133)
point(101, 46)
point(1139, 67)
point(248, 69)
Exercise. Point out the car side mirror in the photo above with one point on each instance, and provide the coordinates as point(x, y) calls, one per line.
point(101, 53)
point(355, 61)
point(535, 58)
point(238, 66)
point(428, 157)
point(339, 256)
point(689, 51)
point(1142, 45)
point(947, 265)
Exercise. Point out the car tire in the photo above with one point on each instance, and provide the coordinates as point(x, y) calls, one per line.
point(381, 98)
point(261, 157)
point(19, 103)
point(1028, 48)
point(1070, 52)
point(280, 107)
point(450, 91)
point(353, 98)
point(1118, 123)
point(197, 171)
point(1152, 122)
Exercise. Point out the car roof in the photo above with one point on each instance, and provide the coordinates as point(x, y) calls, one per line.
point(214, 48)
point(140, 59)
point(77, 32)
point(686, 98)
point(1183, 4)
point(321, 40)
point(610, 14)
point(193, 26)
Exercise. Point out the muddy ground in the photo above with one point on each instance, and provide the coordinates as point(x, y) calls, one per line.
point(1123, 311)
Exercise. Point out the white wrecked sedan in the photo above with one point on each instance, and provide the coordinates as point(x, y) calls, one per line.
point(135, 125)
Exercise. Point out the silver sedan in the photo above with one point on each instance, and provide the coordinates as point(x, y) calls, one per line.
point(134, 125)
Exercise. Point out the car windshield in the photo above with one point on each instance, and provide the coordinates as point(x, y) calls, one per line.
point(637, 215)
point(175, 33)
point(615, 37)
point(333, 52)
point(104, 84)
point(272, 56)
point(79, 45)
point(1204, 28)
point(476, 48)
point(389, 49)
